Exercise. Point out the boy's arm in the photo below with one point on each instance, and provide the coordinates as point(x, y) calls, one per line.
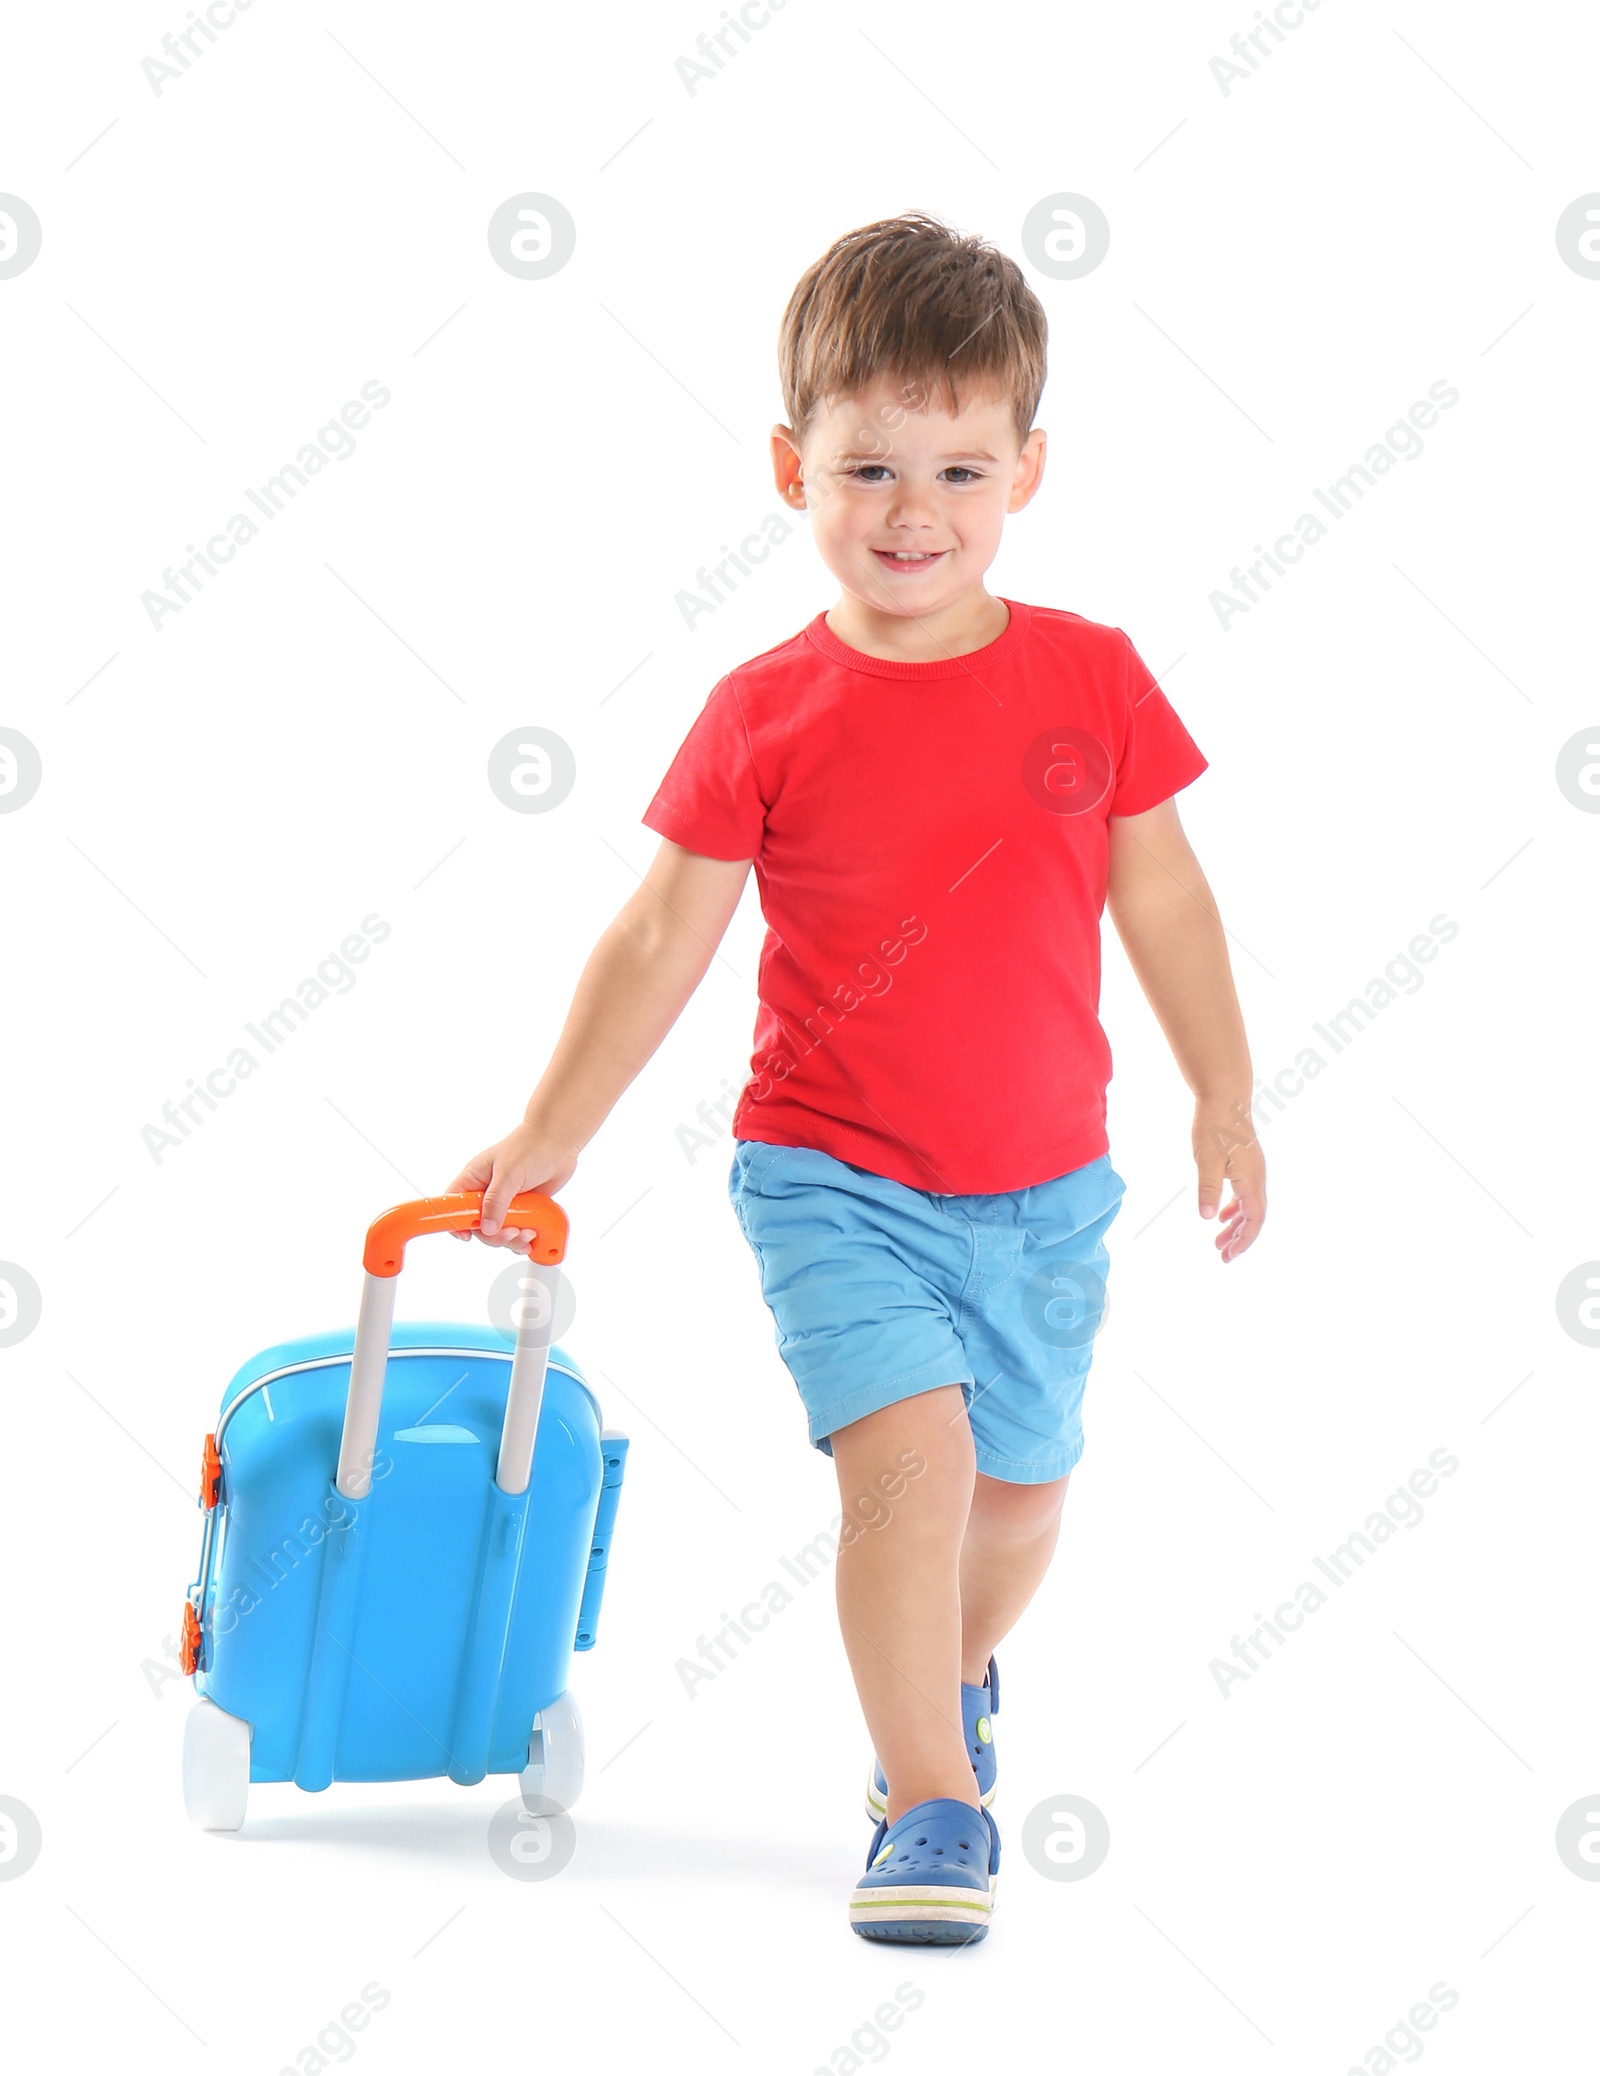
point(1170, 929)
point(639, 976)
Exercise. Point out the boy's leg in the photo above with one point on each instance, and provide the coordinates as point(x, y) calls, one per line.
point(1010, 1538)
point(899, 1589)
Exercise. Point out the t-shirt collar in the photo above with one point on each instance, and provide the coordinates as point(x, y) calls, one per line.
point(822, 637)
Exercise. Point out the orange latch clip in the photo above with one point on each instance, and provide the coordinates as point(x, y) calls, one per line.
point(189, 1642)
point(210, 1473)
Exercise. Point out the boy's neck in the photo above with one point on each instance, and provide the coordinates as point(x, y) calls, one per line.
point(969, 622)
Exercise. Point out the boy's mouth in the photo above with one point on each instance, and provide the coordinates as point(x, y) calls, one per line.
point(908, 562)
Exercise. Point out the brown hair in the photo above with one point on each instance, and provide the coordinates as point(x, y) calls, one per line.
point(913, 300)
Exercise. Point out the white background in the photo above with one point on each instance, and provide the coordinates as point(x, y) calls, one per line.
point(1292, 264)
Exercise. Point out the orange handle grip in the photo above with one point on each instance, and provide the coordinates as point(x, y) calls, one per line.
point(385, 1251)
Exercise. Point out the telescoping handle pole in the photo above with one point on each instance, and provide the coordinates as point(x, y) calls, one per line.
point(383, 1259)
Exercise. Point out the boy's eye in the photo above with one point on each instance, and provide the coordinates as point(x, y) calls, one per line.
point(878, 472)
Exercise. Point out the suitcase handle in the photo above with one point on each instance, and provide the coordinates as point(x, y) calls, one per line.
point(369, 1359)
point(385, 1251)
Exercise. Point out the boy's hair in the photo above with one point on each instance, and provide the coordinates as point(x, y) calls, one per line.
point(914, 301)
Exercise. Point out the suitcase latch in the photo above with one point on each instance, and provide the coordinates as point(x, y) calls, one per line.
point(210, 1473)
point(189, 1642)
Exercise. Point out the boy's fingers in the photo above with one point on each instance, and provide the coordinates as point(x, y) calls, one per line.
point(1245, 1213)
point(473, 1176)
point(499, 1173)
point(496, 1197)
point(1210, 1188)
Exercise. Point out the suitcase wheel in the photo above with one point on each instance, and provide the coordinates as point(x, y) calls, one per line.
point(554, 1772)
point(216, 1767)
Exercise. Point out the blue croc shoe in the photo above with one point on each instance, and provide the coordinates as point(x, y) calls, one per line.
point(930, 1877)
point(978, 1706)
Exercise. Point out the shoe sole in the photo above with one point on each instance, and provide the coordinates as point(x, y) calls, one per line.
point(878, 1807)
point(917, 1915)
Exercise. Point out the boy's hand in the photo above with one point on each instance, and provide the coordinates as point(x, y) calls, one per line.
point(1226, 1149)
point(527, 1158)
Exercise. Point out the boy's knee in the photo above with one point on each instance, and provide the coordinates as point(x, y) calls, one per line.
point(1018, 1509)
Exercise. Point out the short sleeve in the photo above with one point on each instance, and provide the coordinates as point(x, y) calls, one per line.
point(710, 801)
point(1159, 756)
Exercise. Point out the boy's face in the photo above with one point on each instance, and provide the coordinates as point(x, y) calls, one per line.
point(906, 498)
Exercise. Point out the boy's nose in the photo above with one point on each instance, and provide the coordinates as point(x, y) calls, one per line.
point(913, 506)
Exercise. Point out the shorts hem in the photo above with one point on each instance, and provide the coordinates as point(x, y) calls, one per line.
point(933, 1375)
point(1034, 1470)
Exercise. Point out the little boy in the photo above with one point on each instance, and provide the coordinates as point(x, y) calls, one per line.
point(940, 790)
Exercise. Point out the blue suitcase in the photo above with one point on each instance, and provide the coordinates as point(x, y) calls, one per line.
point(406, 1536)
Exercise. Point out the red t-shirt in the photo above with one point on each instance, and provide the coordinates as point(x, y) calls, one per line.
point(930, 846)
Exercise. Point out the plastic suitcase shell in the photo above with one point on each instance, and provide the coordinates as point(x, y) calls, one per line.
point(418, 1630)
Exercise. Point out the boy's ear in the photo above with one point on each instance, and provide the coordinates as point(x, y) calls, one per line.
point(1030, 470)
point(786, 467)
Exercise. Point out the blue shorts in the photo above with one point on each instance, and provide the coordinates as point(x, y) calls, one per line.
point(880, 1292)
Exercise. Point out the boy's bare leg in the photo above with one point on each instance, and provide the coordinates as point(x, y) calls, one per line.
point(899, 1589)
point(1010, 1539)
